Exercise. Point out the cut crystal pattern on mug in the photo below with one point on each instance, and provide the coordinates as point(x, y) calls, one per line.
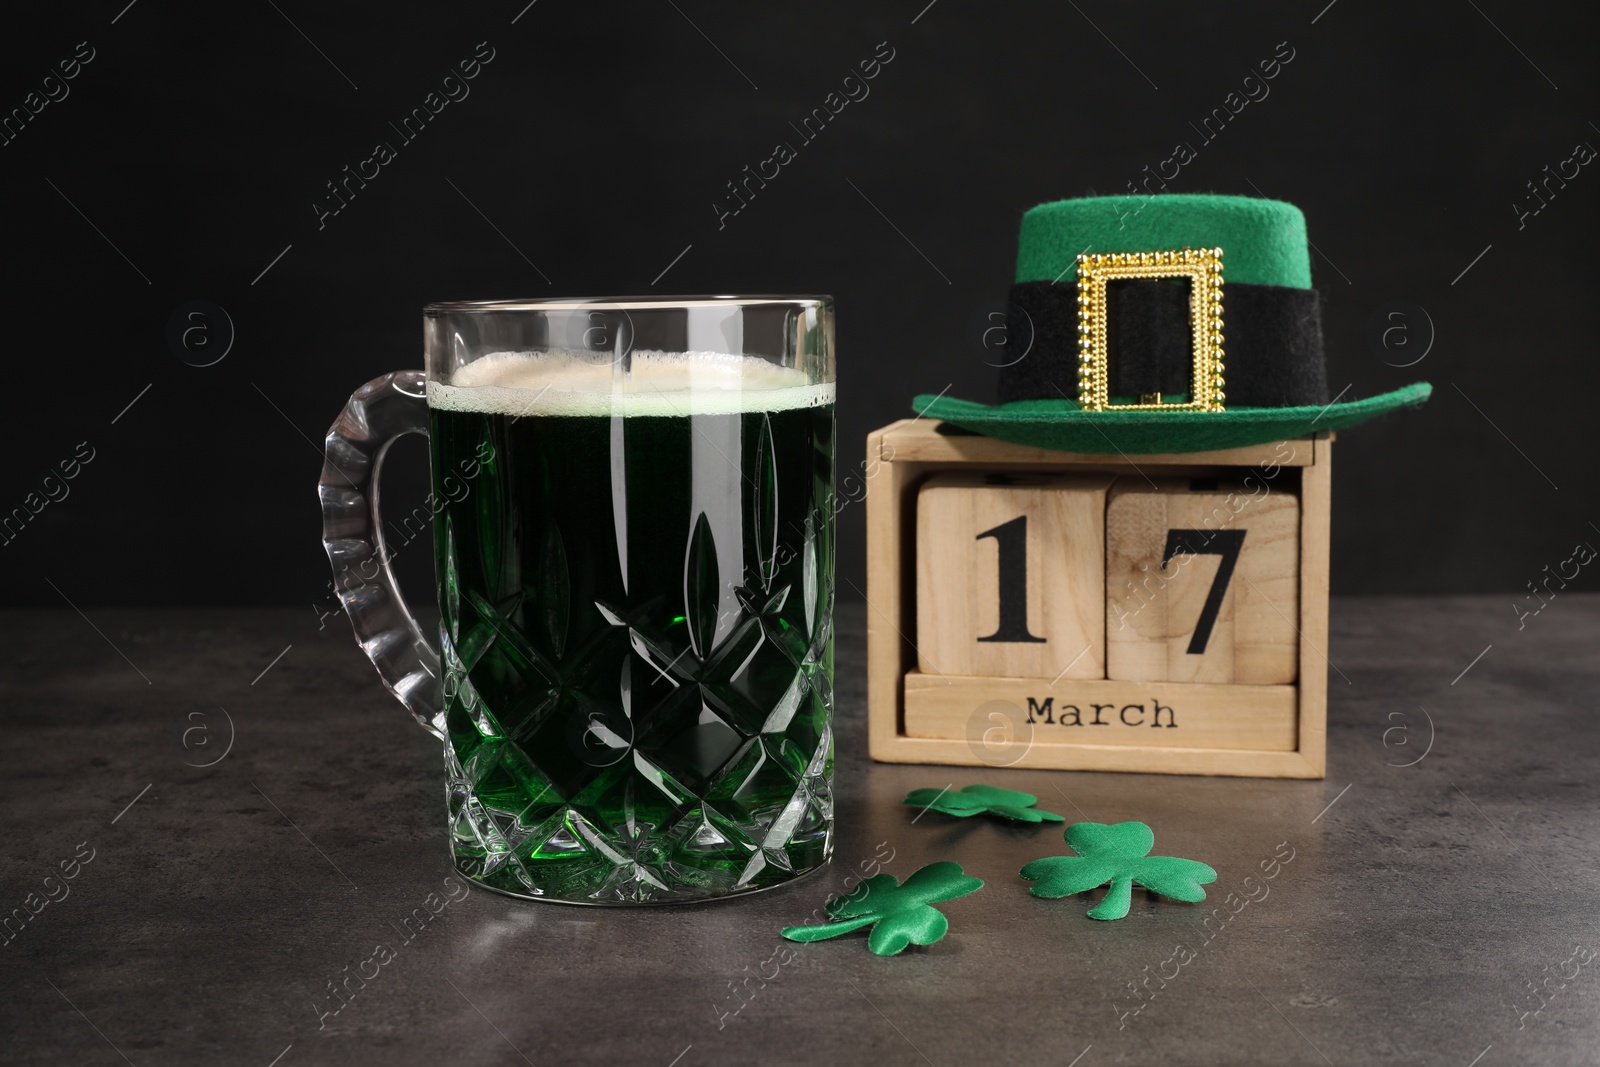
point(633, 531)
point(696, 800)
point(702, 767)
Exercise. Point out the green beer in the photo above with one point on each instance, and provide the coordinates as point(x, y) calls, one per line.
point(636, 587)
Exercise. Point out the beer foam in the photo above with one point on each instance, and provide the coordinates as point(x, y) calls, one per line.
point(658, 383)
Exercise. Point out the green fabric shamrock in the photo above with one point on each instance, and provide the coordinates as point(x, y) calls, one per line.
point(902, 912)
point(978, 799)
point(1116, 854)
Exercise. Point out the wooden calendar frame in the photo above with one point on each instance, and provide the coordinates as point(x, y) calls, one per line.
point(902, 455)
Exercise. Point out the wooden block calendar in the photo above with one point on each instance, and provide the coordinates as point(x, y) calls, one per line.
point(1152, 613)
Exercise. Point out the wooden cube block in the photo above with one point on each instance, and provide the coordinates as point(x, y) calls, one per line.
point(1202, 581)
point(1011, 575)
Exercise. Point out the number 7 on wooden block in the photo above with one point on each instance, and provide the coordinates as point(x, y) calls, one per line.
point(1202, 581)
point(1011, 575)
point(1225, 543)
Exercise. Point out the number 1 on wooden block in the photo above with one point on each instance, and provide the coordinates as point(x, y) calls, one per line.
point(1202, 581)
point(1012, 589)
point(1011, 575)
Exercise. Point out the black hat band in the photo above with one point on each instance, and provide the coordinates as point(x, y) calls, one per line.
point(1273, 342)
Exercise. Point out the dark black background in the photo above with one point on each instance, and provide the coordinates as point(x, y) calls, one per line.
point(597, 141)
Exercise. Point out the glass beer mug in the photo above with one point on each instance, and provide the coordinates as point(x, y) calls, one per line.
point(634, 541)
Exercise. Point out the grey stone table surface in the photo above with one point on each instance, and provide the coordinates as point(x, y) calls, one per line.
point(1433, 901)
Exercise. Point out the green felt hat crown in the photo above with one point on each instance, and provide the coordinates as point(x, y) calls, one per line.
point(1268, 331)
point(1264, 241)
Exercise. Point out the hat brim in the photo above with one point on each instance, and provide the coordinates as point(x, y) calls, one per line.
point(1063, 426)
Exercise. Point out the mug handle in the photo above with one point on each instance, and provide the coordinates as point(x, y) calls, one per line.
point(352, 532)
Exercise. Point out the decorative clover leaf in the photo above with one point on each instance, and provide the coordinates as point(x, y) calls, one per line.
point(900, 914)
point(978, 799)
point(1116, 854)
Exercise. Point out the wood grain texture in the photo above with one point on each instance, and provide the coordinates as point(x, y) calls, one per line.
point(1061, 534)
point(895, 476)
point(1132, 759)
point(891, 550)
point(1316, 509)
point(926, 441)
point(1101, 712)
point(1153, 611)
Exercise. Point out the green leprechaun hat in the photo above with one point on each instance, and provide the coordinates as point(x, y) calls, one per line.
point(1173, 323)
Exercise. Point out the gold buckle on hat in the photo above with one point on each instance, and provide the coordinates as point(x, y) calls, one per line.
point(1203, 268)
